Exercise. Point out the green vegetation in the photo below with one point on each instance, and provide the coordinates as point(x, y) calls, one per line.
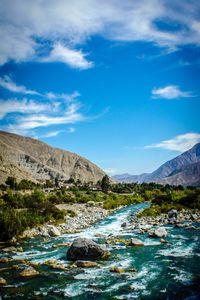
point(162, 202)
point(23, 204)
point(105, 184)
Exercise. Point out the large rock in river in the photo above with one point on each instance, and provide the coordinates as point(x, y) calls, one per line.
point(86, 249)
point(159, 232)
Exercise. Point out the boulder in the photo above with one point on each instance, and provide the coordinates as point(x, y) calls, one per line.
point(86, 249)
point(53, 231)
point(2, 281)
point(172, 214)
point(135, 242)
point(29, 272)
point(159, 232)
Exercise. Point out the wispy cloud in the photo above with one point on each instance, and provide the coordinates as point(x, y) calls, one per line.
point(74, 58)
point(71, 130)
point(24, 106)
point(7, 83)
point(73, 22)
point(180, 143)
point(170, 92)
point(71, 115)
point(50, 134)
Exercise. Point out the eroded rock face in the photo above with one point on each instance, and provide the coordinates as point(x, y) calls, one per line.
point(86, 249)
point(27, 158)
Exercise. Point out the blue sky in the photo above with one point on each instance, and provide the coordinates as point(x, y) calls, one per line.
point(118, 83)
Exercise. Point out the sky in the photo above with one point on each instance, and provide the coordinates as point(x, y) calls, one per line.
point(117, 82)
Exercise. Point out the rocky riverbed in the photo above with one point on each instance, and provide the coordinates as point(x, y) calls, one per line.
point(148, 259)
point(78, 216)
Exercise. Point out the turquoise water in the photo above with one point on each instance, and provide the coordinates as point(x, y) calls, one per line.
point(163, 271)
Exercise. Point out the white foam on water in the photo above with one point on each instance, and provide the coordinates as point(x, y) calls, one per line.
point(29, 254)
point(115, 287)
point(138, 286)
point(152, 242)
point(183, 277)
point(178, 251)
point(90, 274)
point(74, 289)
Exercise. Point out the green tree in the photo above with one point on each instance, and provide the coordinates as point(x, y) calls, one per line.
point(105, 184)
point(12, 182)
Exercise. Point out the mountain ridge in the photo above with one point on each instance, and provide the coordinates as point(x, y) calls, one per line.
point(23, 156)
point(170, 172)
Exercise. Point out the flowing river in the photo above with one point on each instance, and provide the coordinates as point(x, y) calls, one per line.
point(164, 271)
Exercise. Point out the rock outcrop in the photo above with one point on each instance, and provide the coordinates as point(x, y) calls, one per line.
point(86, 249)
point(27, 158)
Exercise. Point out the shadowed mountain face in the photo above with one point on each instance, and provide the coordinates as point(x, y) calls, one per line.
point(183, 169)
point(27, 158)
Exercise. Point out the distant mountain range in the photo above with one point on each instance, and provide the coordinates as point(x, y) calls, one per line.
point(183, 169)
point(27, 158)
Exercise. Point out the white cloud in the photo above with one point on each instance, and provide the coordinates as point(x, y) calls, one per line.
point(73, 58)
point(67, 97)
point(28, 122)
point(21, 106)
point(170, 92)
point(7, 83)
point(27, 27)
point(180, 143)
point(110, 171)
point(51, 134)
point(71, 130)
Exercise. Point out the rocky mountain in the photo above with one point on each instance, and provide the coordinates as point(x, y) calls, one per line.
point(183, 169)
point(27, 158)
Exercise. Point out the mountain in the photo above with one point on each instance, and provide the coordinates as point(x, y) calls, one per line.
point(183, 169)
point(27, 158)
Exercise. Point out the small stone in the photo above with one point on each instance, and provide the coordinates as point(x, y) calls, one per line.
point(133, 270)
point(29, 272)
point(4, 259)
point(20, 249)
point(60, 245)
point(2, 281)
point(9, 249)
point(116, 270)
point(163, 241)
point(86, 264)
point(135, 242)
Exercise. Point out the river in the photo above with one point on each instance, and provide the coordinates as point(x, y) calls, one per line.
point(164, 271)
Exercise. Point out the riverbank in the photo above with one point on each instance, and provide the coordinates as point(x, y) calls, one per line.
point(78, 216)
point(141, 266)
point(179, 219)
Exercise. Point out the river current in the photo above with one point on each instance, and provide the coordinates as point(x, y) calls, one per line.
point(164, 271)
